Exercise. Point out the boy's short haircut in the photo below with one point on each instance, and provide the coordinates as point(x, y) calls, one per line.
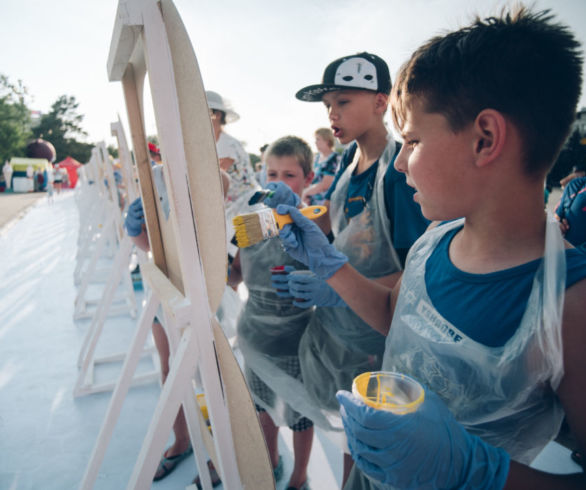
point(361, 71)
point(292, 146)
point(521, 64)
point(327, 135)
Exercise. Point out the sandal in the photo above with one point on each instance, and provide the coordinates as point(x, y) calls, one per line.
point(167, 465)
point(577, 458)
point(304, 486)
point(213, 475)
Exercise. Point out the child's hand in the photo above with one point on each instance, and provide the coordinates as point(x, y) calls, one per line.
point(135, 218)
point(305, 242)
point(280, 282)
point(282, 194)
point(309, 290)
point(425, 449)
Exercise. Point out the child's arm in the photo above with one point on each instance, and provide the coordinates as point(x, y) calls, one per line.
point(226, 163)
point(371, 300)
point(305, 242)
point(142, 241)
point(571, 392)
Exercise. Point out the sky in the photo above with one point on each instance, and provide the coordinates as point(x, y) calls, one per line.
point(256, 53)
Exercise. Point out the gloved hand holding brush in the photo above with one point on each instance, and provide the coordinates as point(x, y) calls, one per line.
point(280, 193)
point(305, 242)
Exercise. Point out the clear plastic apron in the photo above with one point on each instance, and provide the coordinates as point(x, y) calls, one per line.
point(338, 345)
point(269, 329)
point(504, 394)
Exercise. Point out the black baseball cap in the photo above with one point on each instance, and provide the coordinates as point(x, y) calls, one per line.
point(362, 71)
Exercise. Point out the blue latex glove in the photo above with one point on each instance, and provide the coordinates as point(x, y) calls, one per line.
point(425, 449)
point(134, 218)
point(280, 282)
point(282, 195)
point(305, 242)
point(309, 290)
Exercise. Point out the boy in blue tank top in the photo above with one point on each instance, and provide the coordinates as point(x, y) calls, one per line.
point(489, 314)
point(337, 345)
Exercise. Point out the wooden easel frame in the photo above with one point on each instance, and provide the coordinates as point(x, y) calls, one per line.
point(107, 228)
point(189, 270)
point(119, 275)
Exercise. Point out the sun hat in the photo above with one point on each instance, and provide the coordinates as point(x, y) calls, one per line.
point(361, 71)
point(219, 103)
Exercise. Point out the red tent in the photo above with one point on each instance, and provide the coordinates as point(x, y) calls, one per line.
point(71, 165)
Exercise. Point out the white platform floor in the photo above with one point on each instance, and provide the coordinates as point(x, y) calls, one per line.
point(47, 435)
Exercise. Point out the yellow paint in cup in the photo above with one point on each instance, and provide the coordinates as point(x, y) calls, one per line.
point(201, 400)
point(390, 391)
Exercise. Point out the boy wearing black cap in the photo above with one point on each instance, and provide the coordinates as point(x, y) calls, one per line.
point(355, 91)
point(373, 218)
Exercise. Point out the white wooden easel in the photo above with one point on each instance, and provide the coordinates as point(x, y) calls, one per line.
point(92, 201)
point(119, 277)
point(188, 274)
point(109, 233)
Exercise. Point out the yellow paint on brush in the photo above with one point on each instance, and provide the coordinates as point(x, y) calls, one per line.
point(264, 224)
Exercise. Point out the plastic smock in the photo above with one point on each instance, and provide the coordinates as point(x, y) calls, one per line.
point(505, 395)
point(269, 329)
point(338, 345)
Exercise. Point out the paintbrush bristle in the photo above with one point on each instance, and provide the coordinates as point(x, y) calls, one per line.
point(255, 227)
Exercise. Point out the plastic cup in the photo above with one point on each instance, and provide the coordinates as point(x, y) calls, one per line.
point(394, 392)
point(201, 401)
point(280, 269)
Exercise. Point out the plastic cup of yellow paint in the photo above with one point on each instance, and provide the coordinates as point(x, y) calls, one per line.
point(394, 392)
point(201, 401)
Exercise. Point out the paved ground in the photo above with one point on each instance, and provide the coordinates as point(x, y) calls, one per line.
point(15, 205)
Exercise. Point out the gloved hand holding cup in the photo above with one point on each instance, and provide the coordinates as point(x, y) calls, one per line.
point(309, 290)
point(280, 280)
point(417, 443)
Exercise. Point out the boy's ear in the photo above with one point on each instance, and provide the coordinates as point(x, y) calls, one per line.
point(309, 178)
point(490, 131)
point(381, 102)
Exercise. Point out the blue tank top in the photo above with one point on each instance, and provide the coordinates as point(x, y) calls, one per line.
point(467, 300)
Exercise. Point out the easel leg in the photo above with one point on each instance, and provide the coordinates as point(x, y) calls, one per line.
point(176, 390)
point(117, 400)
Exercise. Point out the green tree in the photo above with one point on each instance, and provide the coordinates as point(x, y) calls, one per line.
point(62, 127)
point(14, 119)
point(113, 151)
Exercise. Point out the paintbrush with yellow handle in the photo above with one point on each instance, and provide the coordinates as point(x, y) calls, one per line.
point(264, 224)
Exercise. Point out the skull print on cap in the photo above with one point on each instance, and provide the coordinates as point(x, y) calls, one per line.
point(362, 71)
point(356, 72)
